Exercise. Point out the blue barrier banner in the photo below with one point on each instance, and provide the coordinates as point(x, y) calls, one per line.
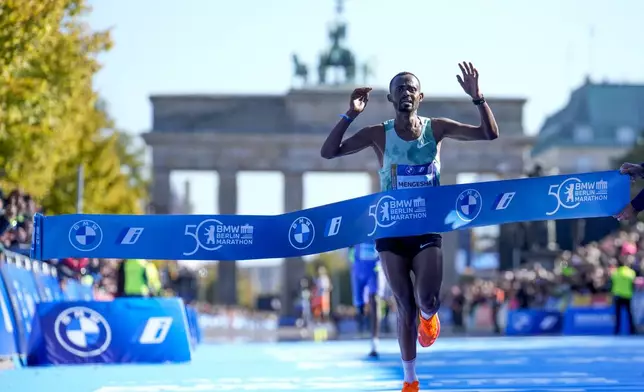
point(51, 289)
point(48, 286)
point(71, 292)
point(592, 321)
point(193, 323)
point(637, 308)
point(86, 292)
point(533, 322)
point(197, 326)
point(23, 293)
point(388, 214)
point(132, 330)
point(8, 345)
point(446, 316)
point(76, 291)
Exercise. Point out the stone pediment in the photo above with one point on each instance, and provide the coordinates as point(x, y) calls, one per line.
point(271, 132)
point(306, 111)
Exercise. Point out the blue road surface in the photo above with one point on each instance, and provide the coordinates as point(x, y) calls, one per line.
point(552, 364)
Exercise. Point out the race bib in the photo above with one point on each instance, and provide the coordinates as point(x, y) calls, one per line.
point(414, 176)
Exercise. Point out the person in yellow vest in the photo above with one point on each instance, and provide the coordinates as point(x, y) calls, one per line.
point(154, 279)
point(137, 279)
point(623, 285)
point(87, 280)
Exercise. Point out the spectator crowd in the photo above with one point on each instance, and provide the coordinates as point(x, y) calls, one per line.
point(17, 210)
point(16, 223)
point(580, 277)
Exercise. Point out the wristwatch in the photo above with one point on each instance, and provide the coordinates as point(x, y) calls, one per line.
point(479, 101)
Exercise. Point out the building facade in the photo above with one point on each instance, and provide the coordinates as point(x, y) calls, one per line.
point(599, 124)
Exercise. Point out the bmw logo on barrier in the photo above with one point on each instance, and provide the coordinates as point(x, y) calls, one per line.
point(469, 204)
point(82, 331)
point(301, 233)
point(521, 321)
point(85, 235)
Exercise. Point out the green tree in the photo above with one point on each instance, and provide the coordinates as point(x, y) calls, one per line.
point(109, 183)
point(47, 61)
point(51, 119)
point(132, 162)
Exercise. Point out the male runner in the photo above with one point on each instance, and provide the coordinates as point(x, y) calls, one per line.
point(410, 142)
point(364, 278)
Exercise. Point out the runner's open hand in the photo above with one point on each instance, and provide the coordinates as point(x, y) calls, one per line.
point(470, 80)
point(632, 169)
point(359, 99)
point(627, 214)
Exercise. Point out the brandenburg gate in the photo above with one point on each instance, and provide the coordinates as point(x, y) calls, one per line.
point(232, 133)
point(284, 133)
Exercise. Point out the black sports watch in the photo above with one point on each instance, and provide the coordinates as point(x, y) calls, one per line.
point(479, 101)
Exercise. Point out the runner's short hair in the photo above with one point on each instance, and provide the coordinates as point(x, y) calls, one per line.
point(403, 74)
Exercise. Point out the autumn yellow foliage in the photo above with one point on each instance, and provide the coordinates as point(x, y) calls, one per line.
point(51, 118)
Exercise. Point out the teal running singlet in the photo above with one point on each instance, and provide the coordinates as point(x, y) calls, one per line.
point(413, 164)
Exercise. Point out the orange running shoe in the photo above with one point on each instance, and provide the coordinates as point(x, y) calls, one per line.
point(428, 330)
point(413, 387)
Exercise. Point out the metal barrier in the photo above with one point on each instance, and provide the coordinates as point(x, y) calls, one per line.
point(30, 295)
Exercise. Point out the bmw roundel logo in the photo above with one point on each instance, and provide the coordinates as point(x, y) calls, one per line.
point(85, 235)
point(301, 233)
point(82, 332)
point(469, 205)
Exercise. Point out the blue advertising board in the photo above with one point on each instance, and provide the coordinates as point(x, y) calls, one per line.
point(129, 330)
point(23, 296)
point(637, 307)
point(193, 323)
point(47, 283)
point(592, 321)
point(77, 291)
point(8, 345)
point(533, 322)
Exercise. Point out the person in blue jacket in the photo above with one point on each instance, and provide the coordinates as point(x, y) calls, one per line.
point(364, 259)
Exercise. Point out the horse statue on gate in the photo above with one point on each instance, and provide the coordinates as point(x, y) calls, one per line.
point(337, 57)
point(367, 71)
point(300, 71)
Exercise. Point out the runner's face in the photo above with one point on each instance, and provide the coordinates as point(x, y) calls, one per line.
point(405, 93)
